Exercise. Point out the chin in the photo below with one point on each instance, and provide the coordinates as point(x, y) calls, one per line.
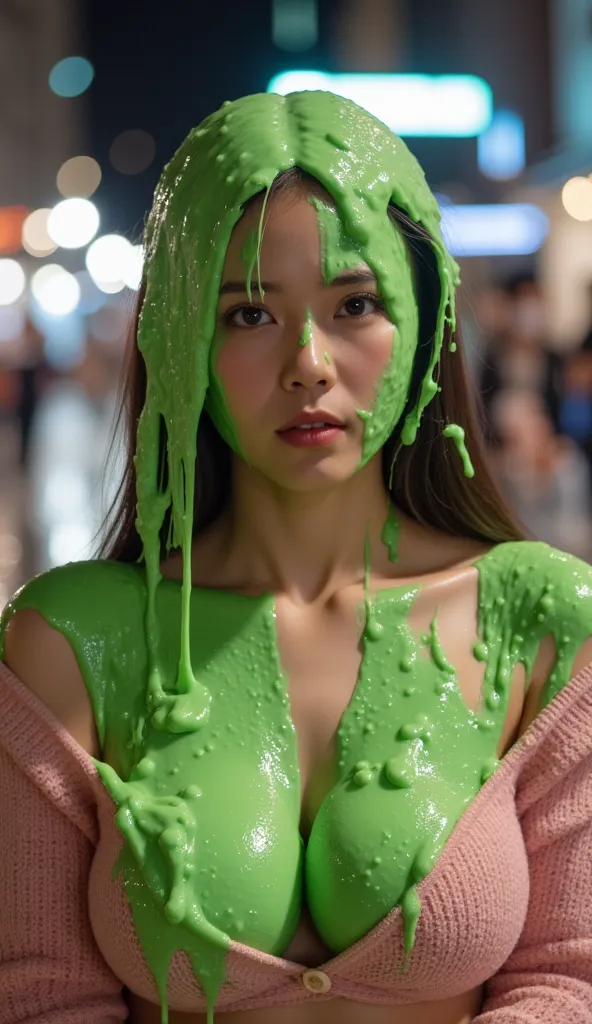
point(314, 474)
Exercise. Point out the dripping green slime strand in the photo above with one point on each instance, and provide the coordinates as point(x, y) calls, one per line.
point(306, 336)
point(457, 434)
point(411, 755)
point(390, 532)
point(171, 757)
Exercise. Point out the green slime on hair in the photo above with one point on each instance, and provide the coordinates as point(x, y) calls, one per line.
point(170, 747)
point(457, 434)
point(342, 252)
point(258, 137)
point(249, 256)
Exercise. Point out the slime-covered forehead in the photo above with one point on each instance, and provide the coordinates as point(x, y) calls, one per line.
point(236, 153)
point(386, 253)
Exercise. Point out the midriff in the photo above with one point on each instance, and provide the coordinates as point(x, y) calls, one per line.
point(457, 1010)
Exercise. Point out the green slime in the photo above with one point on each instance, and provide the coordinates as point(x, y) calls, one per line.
point(234, 155)
point(457, 434)
point(211, 816)
point(198, 745)
point(306, 336)
point(390, 533)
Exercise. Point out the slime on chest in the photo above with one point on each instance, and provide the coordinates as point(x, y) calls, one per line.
point(171, 733)
point(410, 754)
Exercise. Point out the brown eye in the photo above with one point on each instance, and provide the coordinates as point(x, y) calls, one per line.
point(248, 316)
point(360, 306)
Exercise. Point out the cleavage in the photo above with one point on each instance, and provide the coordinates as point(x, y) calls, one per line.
point(321, 656)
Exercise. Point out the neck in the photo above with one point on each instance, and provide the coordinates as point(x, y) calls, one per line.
point(305, 544)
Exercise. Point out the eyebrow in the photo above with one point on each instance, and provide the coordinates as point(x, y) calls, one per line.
point(347, 277)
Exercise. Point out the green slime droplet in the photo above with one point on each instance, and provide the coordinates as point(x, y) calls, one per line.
point(306, 336)
point(390, 533)
point(457, 434)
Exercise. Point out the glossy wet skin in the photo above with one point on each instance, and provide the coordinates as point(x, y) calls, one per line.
point(310, 555)
point(268, 375)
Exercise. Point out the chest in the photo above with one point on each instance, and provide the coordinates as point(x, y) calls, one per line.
point(351, 728)
point(332, 672)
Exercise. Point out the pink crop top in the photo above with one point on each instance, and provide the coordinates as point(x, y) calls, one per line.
point(508, 903)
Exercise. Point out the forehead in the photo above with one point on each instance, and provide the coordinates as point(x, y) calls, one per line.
point(284, 208)
point(289, 225)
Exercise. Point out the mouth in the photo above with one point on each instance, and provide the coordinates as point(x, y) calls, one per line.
point(306, 432)
point(312, 420)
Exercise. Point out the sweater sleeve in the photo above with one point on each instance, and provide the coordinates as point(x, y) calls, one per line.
point(548, 977)
point(51, 970)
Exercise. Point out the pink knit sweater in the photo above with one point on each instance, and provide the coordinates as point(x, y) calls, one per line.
point(509, 902)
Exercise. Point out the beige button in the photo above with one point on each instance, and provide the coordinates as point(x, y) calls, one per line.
point(316, 981)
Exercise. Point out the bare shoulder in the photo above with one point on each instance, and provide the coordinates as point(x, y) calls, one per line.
point(35, 641)
point(43, 660)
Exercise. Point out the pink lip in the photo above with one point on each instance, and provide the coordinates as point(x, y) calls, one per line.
point(316, 437)
point(312, 417)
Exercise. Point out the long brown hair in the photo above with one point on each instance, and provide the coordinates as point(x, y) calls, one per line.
point(425, 479)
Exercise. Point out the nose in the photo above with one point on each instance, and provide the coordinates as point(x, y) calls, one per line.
point(308, 364)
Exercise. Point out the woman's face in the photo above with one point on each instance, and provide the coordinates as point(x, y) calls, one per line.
point(308, 349)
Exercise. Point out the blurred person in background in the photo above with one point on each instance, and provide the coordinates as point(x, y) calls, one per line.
point(576, 405)
point(544, 476)
point(69, 491)
point(515, 346)
point(31, 374)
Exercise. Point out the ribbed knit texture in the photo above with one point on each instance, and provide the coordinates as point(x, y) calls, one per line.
point(508, 903)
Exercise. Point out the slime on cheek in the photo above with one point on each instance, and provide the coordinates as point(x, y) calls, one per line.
point(364, 167)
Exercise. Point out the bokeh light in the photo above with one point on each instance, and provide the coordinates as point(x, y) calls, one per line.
point(55, 289)
point(501, 150)
point(498, 229)
point(36, 240)
point(133, 276)
point(132, 151)
point(64, 344)
point(111, 287)
point(73, 223)
point(577, 198)
point(12, 282)
point(71, 76)
point(12, 219)
point(79, 176)
point(410, 104)
point(111, 260)
point(294, 24)
point(69, 542)
point(91, 298)
point(110, 324)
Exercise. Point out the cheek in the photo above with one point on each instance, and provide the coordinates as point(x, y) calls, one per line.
point(229, 374)
point(364, 361)
point(244, 375)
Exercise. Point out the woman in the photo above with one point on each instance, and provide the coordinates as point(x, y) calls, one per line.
point(333, 635)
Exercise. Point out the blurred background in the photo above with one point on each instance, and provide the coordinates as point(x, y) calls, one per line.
point(494, 100)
